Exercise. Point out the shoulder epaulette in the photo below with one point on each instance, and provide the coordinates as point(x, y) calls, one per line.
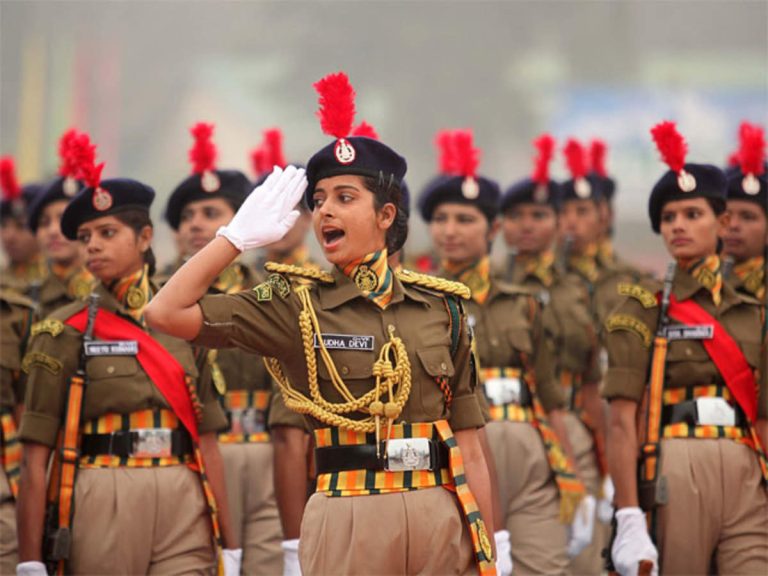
point(13, 298)
point(642, 295)
point(435, 283)
point(290, 270)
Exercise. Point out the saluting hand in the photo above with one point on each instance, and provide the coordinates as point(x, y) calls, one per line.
point(268, 212)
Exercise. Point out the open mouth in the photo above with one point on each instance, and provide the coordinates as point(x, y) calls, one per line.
point(332, 236)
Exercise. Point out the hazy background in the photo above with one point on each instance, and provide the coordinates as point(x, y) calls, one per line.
point(137, 74)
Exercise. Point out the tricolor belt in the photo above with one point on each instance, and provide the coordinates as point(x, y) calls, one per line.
point(508, 395)
point(246, 412)
point(702, 412)
point(571, 384)
point(147, 438)
point(10, 450)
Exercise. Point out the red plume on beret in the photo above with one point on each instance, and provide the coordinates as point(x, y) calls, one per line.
point(751, 149)
point(68, 161)
point(8, 181)
point(365, 129)
point(733, 159)
point(269, 153)
point(259, 160)
point(575, 158)
point(467, 157)
point(671, 145)
point(83, 157)
point(445, 153)
point(203, 153)
point(545, 145)
point(597, 153)
point(337, 104)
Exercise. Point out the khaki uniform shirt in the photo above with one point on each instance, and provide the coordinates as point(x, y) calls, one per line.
point(267, 322)
point(54, 293)
point(632, 326)
point(15, 321)
point(509, 324)
point(115, 383)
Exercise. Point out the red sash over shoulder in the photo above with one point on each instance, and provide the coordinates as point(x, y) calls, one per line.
point(724, 352)
point(161, 367)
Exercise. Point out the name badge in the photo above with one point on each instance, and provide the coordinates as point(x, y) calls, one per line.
point(501, 391)
point(115, 348)
point(700, 332)
point(346, 342)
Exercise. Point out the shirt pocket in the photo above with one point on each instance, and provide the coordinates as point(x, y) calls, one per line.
point(751, 352)
point(435, 363)
point(520, 341)
point(354, 367)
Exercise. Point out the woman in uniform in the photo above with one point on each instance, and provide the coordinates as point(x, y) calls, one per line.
point(379, 363)
point(67, 279)
point(701, 474)
point(149, 492)
point(527, 406)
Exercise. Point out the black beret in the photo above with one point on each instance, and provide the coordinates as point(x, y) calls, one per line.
point(59, 189)
point(587, 188)
point(710, 182)
point(231, 185)
point(260, 180)
point(358, 155)
point(526, 191)
point(111, 197)
point(20, 207)
point(606, 186)
point(750, 188)
point(445, 188)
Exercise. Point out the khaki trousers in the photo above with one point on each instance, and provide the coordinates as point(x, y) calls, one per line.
point(8, 546)
point(141, 521)
point(252, 505)
point(590, 561)
point(717, 509)
point(529, 499)
point(417, 532)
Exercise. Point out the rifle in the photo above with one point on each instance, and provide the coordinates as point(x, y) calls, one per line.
point(511, 259)
point(57, 537)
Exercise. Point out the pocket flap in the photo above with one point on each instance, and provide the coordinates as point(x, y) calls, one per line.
point(437, 361)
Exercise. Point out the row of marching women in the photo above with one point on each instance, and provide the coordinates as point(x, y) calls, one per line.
point(563, 413)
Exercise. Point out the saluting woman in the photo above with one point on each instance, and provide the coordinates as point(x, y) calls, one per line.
point(142, 450)
point(701, 474)
point(378, 362)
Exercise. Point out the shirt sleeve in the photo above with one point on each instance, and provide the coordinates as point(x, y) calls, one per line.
point(213, 418)
point(281, 415)
point(548, 389)
point(465, 409)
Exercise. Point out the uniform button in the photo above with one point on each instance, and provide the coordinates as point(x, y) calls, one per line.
point(110, 369)
point(443, 366)
point(390, 327)
point(688, 352)
point(494, 342)
point(344, 370)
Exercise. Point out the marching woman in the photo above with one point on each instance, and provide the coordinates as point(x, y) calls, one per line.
point(136, 483)
point(701, 474)
point(379, 363)
point(538, 488)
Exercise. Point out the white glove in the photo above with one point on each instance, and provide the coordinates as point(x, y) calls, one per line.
point(605, 505)
point(503, 553)
point(268, 212)
point(233, 560)
point(291, 565)
point(632, 543)
point(582, 526)
point(31, 568)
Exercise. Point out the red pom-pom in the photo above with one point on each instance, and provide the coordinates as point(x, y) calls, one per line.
point(203, 153)
point(273, 146)
point(446, 158)
point(259, 160)
point(467, 156)
point(733, 159)
point(670, 144)
point(365, 129)
point(337, 104)
point(83, 158)
point(597, 153)
point(545, 145)
point(8, 181)
point(575, 158)
point(68, 161)
point(751, 149)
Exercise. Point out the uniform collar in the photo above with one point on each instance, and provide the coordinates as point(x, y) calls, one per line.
point(344, 290)
point(686, 286)
point(541, 268)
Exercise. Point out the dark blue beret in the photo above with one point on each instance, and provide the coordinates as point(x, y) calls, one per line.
point(20, 207)
point(58, 189)
point(356, 155)
point(453, 189)
point(527, 191)
point(710, 182)
point(606, 186)
point(588, 188)
point(750, 188)
point(231, 185)
point(111, 197)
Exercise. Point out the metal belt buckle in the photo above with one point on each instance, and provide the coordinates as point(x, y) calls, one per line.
point(501, 391)
point(714, 412)
point(247, 421)
point(152, 443)
point(408, 454)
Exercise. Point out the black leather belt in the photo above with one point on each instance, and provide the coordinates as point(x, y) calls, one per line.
point(331, 459)
point(687, 412)
point(124, 443)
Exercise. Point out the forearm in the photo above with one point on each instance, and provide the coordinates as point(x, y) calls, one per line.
point(290, 477)
point(476, 472)
point(557, 421)
point(623, 451)
point(214, 470)
point(594, 407)
point(498, 515)
point(31, 503)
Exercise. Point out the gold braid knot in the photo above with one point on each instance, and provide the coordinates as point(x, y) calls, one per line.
point(392, 371)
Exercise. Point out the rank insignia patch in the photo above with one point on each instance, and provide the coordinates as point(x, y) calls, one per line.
point(279, 285)
point(645, 297)
point(630, 324)
point(40, 359)
point(263, 292)
point(47, 326)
